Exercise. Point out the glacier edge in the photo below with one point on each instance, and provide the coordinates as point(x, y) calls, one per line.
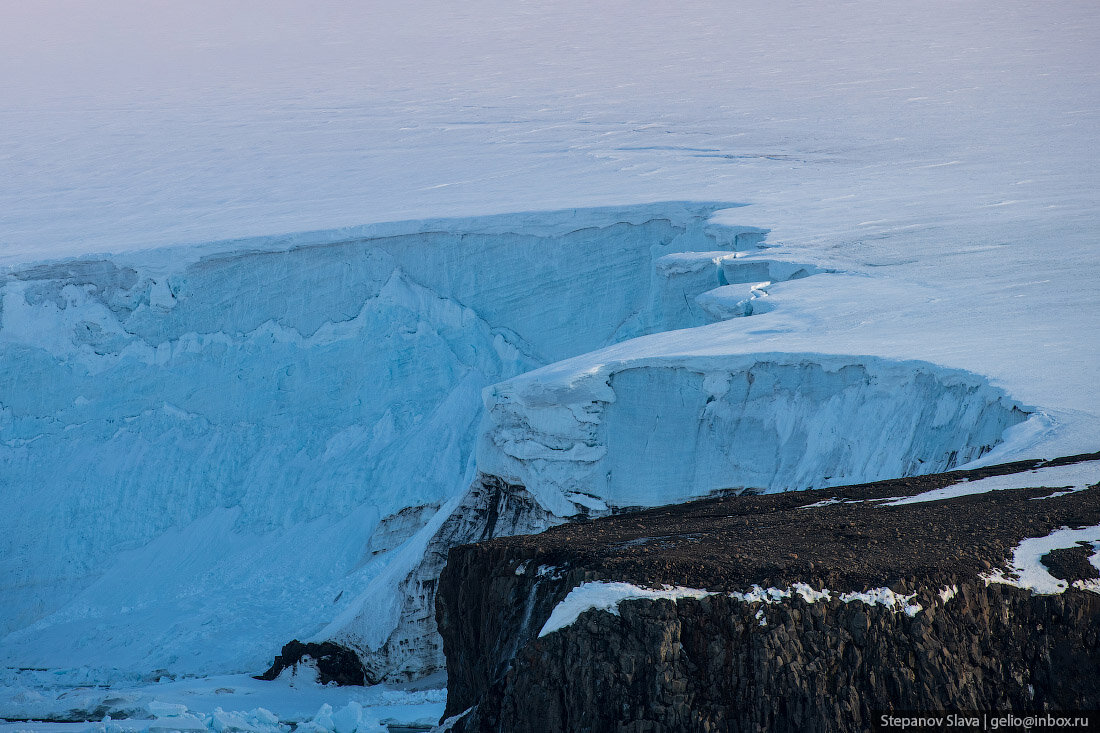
point(243, 419)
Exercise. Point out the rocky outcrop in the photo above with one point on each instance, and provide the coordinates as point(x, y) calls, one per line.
point(709, 664)
point(491, 508)
point(914, 616)
point(333, 662)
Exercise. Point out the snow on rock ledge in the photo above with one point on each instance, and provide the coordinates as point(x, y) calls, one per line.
point(1027, 569)
point(779, 421)
point(606, 596)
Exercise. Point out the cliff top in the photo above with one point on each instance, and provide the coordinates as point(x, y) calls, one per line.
point(894, 533)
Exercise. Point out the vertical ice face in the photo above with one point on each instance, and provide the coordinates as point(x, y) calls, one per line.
point(651, 431)
point(195, 456)
point(282, 428)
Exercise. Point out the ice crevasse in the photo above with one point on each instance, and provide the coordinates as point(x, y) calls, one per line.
point(208, 451)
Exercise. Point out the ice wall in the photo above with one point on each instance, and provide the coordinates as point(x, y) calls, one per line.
point(653, 431)
point(209, 451)
point(196, 451)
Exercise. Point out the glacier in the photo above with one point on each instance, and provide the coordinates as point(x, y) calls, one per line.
point(272, 435)
point(269, 410)
point(646, 432)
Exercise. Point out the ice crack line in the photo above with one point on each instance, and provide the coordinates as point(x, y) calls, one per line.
point(696, 288)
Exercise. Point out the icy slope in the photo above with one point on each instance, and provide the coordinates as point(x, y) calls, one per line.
point(197, 455)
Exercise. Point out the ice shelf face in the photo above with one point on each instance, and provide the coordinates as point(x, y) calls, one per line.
point(652, 431)
point(204, 456)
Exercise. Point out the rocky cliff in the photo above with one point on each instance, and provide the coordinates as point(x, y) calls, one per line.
point(491, 508)
point(972, 590)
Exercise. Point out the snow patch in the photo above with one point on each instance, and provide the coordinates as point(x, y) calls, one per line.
point(885, 597)
point(1027, 571)
point(827, 502)
point(809, 594)
point(1074, 477)
point(606, 596)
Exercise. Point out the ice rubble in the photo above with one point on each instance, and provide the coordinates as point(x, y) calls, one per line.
point(222, 703)
point(200, 445)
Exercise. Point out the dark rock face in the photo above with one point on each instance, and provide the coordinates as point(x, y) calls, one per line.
point(334, 663)
point(491, 508)
point(711, 665)
point(708, 664)
point(485, 621)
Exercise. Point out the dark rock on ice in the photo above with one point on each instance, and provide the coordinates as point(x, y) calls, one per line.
point(334, 663)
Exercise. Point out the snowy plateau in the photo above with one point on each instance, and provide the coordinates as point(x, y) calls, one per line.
point(285, 289)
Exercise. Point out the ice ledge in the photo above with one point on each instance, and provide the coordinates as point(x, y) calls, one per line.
point(546, 223)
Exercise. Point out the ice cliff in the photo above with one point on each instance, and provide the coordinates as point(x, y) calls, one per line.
point(209, 451)
point(651, 431)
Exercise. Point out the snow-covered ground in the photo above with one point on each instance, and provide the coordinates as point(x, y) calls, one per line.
point(198, 456)
point(1028, 571)
point(1074, 477)
point(1065, 479)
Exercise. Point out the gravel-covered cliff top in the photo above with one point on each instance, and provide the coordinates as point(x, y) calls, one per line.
point(924, 528)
